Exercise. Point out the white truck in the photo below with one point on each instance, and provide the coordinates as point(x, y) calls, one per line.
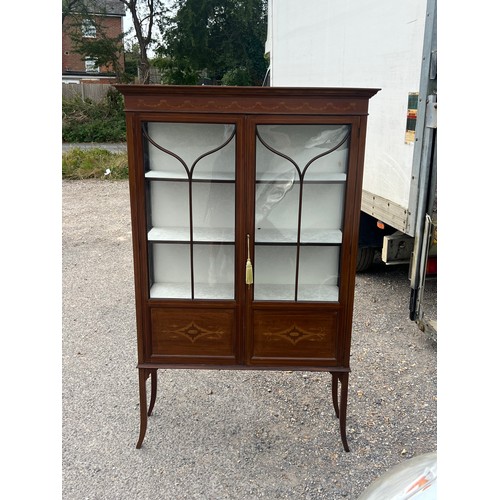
point(390, 45)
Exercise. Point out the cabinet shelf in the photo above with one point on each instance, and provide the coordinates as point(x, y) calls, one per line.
point(203, 291)
point(306, 293)
point(160, 175)
point(200, 235)
point(310, 178)
point(308, 236)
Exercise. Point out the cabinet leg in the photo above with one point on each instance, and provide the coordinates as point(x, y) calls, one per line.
point(143, 377)
point(335, 393)
point(344, 381)
point(341, 411)
point(154, 384)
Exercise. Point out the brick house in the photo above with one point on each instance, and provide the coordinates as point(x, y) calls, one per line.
point(109, 15)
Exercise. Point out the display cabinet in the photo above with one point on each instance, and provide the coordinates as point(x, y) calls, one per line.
point(245, 208)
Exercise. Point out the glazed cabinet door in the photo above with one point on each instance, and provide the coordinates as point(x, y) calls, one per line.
point(300, 193)
point(190, 176)
point(224, 191)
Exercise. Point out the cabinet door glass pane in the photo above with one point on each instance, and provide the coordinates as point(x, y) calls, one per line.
point(301, 173)
point(322, 213)
point(213, 211)
point(190, 172)
point(203, 150)
point(318, 273)
point(219, 164)
point(214, 271)
point(285, 150)
point(276, 211)
point(274, 272)
point(170, 271)
point(169, 209)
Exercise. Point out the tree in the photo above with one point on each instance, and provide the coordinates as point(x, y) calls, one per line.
point(104, 50)
point(131, 61)
point(220, 39)
point(70, 6)
point(145, 15)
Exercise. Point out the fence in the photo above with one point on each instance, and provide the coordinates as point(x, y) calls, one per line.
point(93, 91)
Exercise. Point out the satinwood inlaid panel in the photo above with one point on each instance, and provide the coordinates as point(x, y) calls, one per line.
point(294, 336)
point(193, 332)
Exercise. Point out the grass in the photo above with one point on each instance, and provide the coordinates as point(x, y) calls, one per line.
point(95, 163)
point(88, 121)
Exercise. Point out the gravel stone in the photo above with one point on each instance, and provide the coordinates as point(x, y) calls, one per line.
point(227, 434)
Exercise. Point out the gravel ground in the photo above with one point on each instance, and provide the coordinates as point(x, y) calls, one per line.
point(226, 434)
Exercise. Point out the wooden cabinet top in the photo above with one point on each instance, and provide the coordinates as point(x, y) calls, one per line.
point(246, 100)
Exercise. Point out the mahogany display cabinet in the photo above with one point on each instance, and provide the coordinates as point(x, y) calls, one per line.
point(245, 205)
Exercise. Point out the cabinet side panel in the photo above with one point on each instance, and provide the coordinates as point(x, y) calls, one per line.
point(295, 337)
point(136, 215)
point(193, 332)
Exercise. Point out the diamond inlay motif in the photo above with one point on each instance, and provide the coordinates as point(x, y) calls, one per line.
point(295, 334)
point(193, 332)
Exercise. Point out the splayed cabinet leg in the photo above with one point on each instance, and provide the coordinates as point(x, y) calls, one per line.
point(340, 410)
point(143, 377)
point(335, 393)
point(154, 384)
point(344, 380)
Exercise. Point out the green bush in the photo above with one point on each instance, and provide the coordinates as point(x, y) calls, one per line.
point(237, 76)
point(86, 121)
point(95, 163)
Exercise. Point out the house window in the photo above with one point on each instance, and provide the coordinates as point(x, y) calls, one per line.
point(91, 65)
point(89, 29)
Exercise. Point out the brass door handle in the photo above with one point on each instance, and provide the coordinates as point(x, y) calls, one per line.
point(249, 268)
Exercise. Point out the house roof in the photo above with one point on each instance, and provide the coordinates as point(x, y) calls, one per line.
point(109, 7)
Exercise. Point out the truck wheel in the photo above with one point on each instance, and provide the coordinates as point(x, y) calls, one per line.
point(365, 259)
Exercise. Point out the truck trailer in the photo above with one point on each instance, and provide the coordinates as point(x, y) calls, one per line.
point(390, 45)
